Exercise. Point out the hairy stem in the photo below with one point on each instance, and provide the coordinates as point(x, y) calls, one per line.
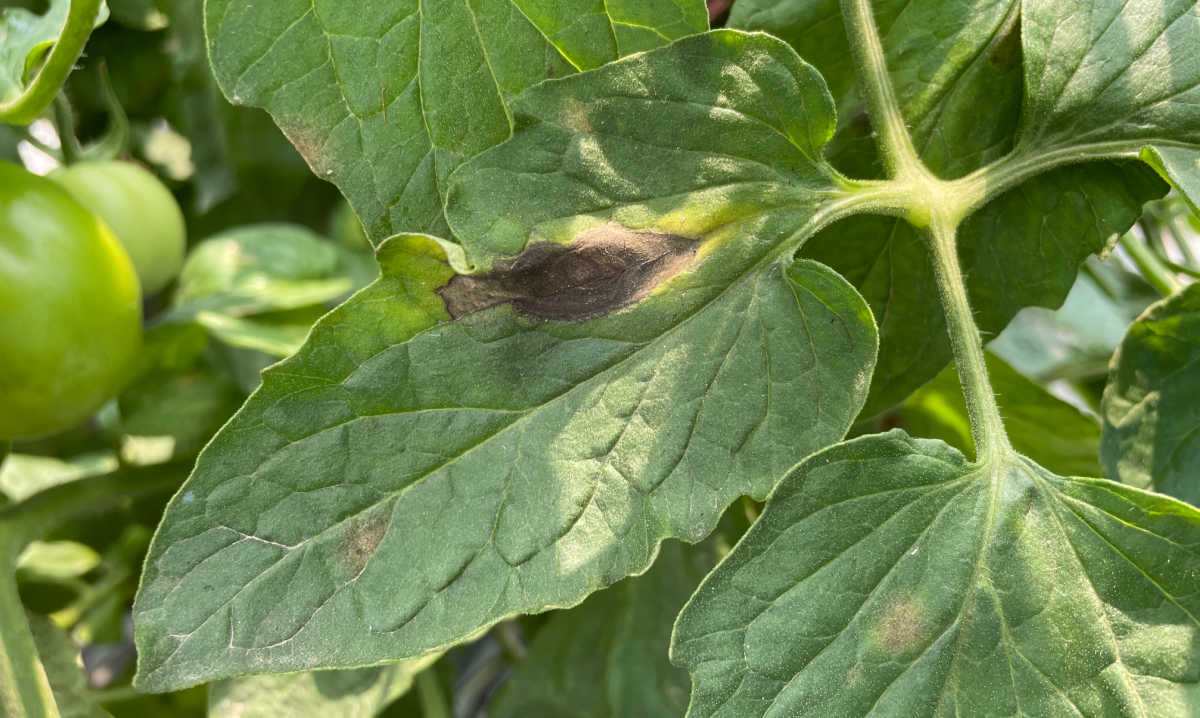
point(24, 689)
point(1004, 174)
point(987, 426)
point(941, 206)
point(899, 154)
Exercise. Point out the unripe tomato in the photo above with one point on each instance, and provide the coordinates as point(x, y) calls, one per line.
point(70, 308)
point(139, 209)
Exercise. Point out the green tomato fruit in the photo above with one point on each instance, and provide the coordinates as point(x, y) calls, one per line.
point(70, 308)
point(139, 209)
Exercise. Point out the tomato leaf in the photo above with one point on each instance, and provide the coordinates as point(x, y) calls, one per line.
point(24, 475)
point(888, 575)
point(1152, 401)
point(56, 561)
point(356, 693)
point(449, 450)
point(386, 99)
point(262, 268)
point(607, 658)
point(1022, 249)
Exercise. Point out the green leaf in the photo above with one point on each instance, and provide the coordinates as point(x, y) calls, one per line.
point(23, 475)
point(889, 576)
point(357, 693)
point(407, 480)
point(64, 669)
point(1181, 167)
point(385, 99)
point(607, 658)
point(946, 60)
point(56, 560)
point(1076, 341)
point(38, 51)
point(1123, 79)
point(1040, 425)
point(1152, 402)
point(260, 334)
point(262, 268)
point(1117, 72)
point(187, 406)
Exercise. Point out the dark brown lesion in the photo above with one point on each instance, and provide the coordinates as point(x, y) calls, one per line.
point(605, 269)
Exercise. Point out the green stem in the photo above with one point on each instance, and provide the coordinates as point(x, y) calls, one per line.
point(1148, 264)
point(1182, 269)
point(37, 96)
point(987, 426)
point(431, 695)
point(995, 179)
point(899, 154)
point(24, 688)
point(64, 123)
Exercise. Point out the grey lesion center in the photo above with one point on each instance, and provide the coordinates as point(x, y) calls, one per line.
point(604, 270)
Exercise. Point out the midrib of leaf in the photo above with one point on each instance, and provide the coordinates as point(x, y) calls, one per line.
point(1025, 163)
point(993, 474)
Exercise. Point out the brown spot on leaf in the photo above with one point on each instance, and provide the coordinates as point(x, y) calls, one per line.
point(901, 628)
point(362, 537)
point(603, 270)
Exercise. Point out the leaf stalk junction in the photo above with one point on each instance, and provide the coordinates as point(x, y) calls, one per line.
point(939, 207)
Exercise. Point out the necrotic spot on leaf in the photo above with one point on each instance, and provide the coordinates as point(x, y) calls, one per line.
point(361, 539)
point(603, 270)
point(902, 627)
